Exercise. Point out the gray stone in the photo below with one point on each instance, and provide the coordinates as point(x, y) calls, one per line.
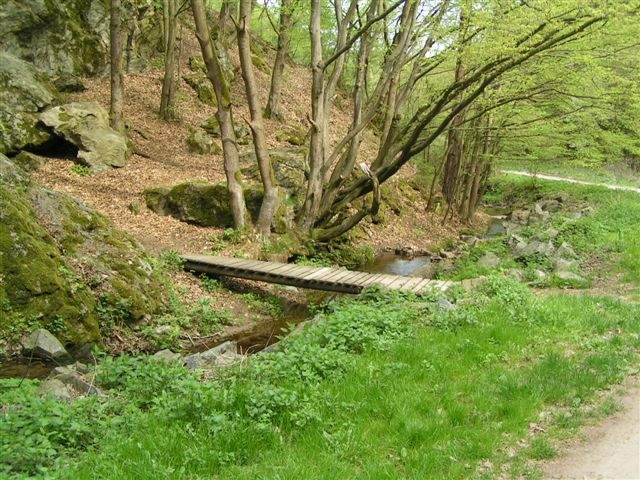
point(220, 354)
point(539, 275)
point(289, 167)
point(567, 276)
point(167, 355)
point(86, 125)
point(43, 344)
point(202, 143)
point(565, 251)
point(445, 305)
point(538, 214)
point(78, 383)
point(470, 240)
point(535, 247)
point(496, 228)
point(24, 91)
point(513, 240)
point(561, 264)
point(516, 274)
point(202, 86)
point(552, 233)
point(520, 216)
point(55, 388)
point(471, 283)
point(551, 205)
point(489, 260)
point(69, 84)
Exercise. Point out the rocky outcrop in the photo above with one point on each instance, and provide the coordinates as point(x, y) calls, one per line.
point(72, 36)
point(24, 91)
point(86, 125)
point(65, 267)
point(289, 167)
point(199, 141)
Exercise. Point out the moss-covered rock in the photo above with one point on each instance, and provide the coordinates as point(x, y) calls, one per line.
point(72, 36)
point(65, 267)
point(201, 142)
point(29, 161)
point(293, 136)
point(24, 91)
point(207, 205)
point(202, 86)
point(289, 166)
point(86, 125)
point(198, 203)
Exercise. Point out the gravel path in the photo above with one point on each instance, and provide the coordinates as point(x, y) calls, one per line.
point(610, 186)
point(611, 450)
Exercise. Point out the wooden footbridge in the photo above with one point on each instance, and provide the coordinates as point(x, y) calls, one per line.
point(317, 278)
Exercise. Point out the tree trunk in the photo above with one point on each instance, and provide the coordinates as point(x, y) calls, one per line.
point(273, 109)
point(270, 198)
point(117, 88)
point(316, 144)
point(167, 107)
point(224, 114)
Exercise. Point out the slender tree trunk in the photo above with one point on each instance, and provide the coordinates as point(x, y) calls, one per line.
point(316, 144)
point(224, 114)
point(117, 82)
point(165, 23)
point(273, 109)
point(270, 198)
point(168, 84)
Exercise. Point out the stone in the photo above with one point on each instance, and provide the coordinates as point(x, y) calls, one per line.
point(489, 260)
point(55, 388)
point(538, 214)
point(211, 126)
point(496, 228)
point(552, 233)
point(516, 274)
point(28, 161)
point(60, 261)
point(78, 383)
point(520, 216)
point(539, 276)
point(24, 91)
point(200, 84)
point(69, 84)
point(202, 143)
point(289, 167)
point(551, 205)
point(243, 134)
point(220, 354)
point(567, 276)
point(561, 264)
point(260, 63)
point(514, 240)
point(293, 136)
point(565, 251)
point(86, 125)
point(471, 283)
point(535, 247)
point(470, 240)
point(167, 355)
point(445, 305)
point(43, 344)
point(196, 64)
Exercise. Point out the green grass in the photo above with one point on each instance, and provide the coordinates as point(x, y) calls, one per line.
point(383, 386)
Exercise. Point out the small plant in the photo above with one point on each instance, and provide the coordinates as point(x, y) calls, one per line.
point(171, 260)
point(81, 170)
point(210, 284)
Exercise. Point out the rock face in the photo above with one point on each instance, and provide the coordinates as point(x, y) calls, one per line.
point(24, 91)
point(86, 125)
point(43, 344)
point(72, 36)
point(63, 265)
point(202, 86)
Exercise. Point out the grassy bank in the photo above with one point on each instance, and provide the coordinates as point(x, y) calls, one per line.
point(386, 385)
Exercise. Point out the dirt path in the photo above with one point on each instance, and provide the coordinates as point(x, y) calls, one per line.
point(610, 186)
point(611, 450)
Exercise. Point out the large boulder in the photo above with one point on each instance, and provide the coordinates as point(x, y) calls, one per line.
point(86, 125)
point(207, 205)
point(24, 91)
point(289, 167)
point(65, 267)
point(72, 36)
point(201, 142)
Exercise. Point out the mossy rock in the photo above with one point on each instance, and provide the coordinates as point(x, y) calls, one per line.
point(260, 63)
point(28, 161)
point(24, 91)
point(200, 84)
point(196, 64)
point(211, 126)
point(199, 141)
point(293, 136)
point(198, 203)
point(63, 266)
point(207, 205)
point(72, 36)
point(289, 166)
